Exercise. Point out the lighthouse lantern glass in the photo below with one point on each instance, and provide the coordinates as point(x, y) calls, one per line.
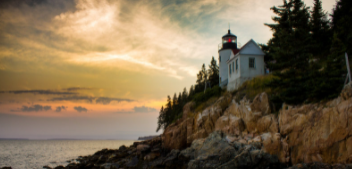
point(229, 40)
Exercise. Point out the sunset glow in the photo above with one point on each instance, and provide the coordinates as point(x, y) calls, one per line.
point(102, 69)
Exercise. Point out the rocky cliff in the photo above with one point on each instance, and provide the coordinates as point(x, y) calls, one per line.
point(244, 134)
point(320, 132)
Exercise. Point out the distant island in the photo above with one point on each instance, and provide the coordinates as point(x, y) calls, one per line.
point(14, 139)
point(147, 137)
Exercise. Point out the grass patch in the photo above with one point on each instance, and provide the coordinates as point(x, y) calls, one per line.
point(207, 98)
point(255, 86)
point(204, 105)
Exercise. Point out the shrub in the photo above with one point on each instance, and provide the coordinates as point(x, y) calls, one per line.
point(255, 86)
point(204, 96)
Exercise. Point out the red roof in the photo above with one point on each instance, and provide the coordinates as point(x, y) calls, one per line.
point(235, 51)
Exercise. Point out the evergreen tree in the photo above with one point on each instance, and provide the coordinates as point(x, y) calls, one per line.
point(342, 25)
point(277, 48)
point(161, 119)
point(213, 72)
point(168, 112)
point(204, 73)
point(174, 107)
point(191, 92)
point(290, 51)
point(179, 105)
point(321, 33)
point(184, 96)
point(199, 83)
point(333, 68)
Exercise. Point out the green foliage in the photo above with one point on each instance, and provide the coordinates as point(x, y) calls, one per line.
point(257, 85)
point(204, 96)
point(174, 108)
point(253, 87)
point(213, 73)
point(304, 54)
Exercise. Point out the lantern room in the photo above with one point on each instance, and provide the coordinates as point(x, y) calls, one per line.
point(229, 41)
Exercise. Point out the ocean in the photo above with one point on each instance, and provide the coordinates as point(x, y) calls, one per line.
point(34, 154)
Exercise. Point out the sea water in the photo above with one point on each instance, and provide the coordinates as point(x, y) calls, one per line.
point(34, 154)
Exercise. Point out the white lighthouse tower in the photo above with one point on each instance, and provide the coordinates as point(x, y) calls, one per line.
point(227, 46)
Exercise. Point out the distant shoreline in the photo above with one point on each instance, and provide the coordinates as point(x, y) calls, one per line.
point(62, 139)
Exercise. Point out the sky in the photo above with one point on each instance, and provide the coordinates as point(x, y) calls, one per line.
point(102, 69)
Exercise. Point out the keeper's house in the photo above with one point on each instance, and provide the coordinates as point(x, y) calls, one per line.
point(238, 65)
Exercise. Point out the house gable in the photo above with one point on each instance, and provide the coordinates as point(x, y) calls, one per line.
point(251, 48)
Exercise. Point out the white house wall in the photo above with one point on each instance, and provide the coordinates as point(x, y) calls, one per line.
point(223, 70)
point(244, 73)
point(251, 48)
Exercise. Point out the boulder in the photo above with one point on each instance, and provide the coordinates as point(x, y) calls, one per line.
point(261, 104)
point(110, 166)
point(143, 147)
point(175, 135)
point(151, 156)
point(217, 152)
point(346, 92)
point(132, 162)
point(122, 148)
point(318, 132)
point(188, 109)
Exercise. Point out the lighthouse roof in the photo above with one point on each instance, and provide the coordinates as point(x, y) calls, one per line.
point(229, 34)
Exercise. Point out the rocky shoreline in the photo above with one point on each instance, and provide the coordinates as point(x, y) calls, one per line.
point(244, 134)
point(218, 150)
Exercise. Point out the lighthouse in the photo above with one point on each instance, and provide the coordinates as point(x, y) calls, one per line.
point(227, 46)
point(238, 65)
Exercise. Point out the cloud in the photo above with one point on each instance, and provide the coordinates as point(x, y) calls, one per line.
point(107, 100)
point(144, 109)
point(80, 109)
point(78, 88)
point(73, 98)
point(98, 100)
point(59, 108)
point(43, 92)
point(35, 108)
point(17, 3)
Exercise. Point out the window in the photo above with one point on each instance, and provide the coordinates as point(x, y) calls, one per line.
point(230, 68)
point(251, 62)
point(236, 65)
point(219, 58)
point(233, 66)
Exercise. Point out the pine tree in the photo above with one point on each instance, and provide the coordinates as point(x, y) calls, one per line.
point(174, 107)
point(290, 51)
point(168, 112)
point(184, 96)
point(204, 73)
point(321, 33)
point(161, 119)
point(213, 72)
point(277, 47)
point(319, 85)
point(342, 25)
point(191, 92)
point(199, 83)
point(179, 105)
point(334, 70)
